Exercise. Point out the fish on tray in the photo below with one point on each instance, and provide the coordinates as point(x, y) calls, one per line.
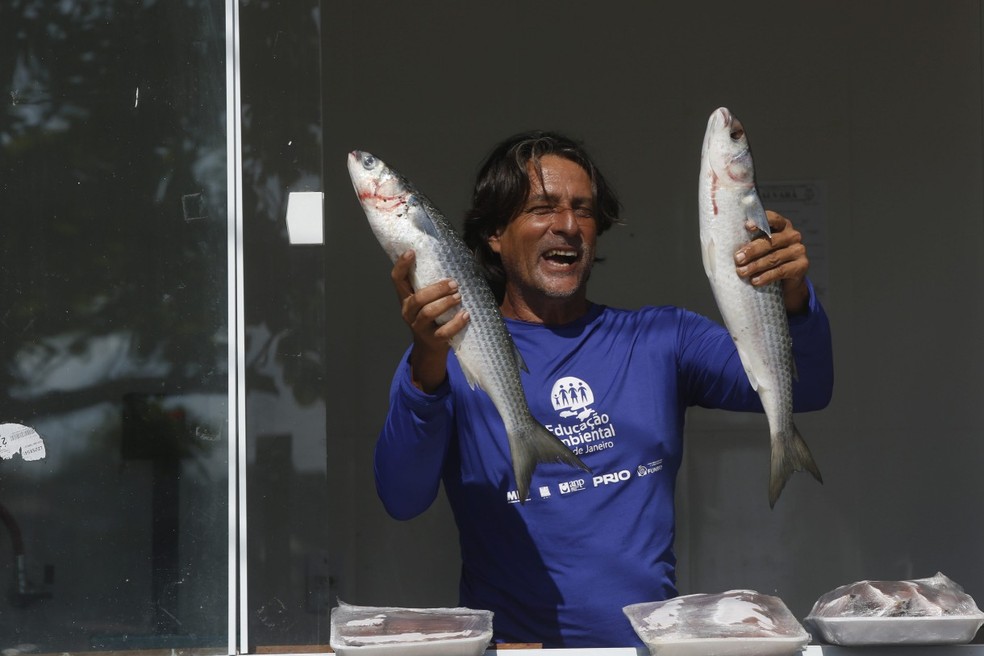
point(404, 219)
point(935, 596)
point(755, 316)
point(733, 622)
point(385, 631)
point(930, 611)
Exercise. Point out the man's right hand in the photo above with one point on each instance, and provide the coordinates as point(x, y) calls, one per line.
point(421, 309)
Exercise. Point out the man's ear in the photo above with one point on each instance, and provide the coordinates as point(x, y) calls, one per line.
point(493, 242)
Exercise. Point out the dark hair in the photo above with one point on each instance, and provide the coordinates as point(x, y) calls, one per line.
point(503, 184)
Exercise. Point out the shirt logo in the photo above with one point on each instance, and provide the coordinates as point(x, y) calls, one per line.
point(512, 496)
point(568, 487)
point(572, 397)
point(588, 431)
point(613, 478)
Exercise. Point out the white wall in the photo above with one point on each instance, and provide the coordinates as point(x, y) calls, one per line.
point(881, 100)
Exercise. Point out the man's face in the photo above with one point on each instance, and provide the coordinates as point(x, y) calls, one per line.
point(548, 248)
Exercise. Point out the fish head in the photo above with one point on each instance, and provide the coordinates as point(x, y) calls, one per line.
point(378, 187)
point(727, 155)
point(387, 199)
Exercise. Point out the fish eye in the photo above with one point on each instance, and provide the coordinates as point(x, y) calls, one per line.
point(368, 161)
point(737, 134)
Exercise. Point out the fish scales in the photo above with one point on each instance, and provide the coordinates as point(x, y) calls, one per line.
point(755, 316)
point(403, 219)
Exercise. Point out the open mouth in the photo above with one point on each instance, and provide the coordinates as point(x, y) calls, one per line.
point(562, 256)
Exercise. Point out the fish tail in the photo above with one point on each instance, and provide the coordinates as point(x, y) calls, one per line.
point(789, 454)
point(533, 444)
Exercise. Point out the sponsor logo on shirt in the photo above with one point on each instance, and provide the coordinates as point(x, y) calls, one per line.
point(512, 496)
point(613, 478)
point(649, 468)
point(569, 487)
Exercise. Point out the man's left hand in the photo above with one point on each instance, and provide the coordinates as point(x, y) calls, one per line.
point(781, 257)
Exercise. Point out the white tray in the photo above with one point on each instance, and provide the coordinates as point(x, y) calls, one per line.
point(391, 631)
point(725, 624)
point(452, 647)
point(856, 631)
point(729, 646)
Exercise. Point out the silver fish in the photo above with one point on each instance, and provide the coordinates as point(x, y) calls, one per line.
point(755, 316)
point(403, 219)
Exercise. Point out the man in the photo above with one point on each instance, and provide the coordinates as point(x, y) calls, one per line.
point(613, 384)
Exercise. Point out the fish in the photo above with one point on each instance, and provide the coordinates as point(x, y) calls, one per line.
point(929, 611)
point(935, 596)
point(403, 219)
point(704, 617)
point(754, 316)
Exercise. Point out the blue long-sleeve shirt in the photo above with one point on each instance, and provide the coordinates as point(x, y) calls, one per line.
point(614, 386)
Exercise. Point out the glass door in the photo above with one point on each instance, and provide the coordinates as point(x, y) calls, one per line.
point(286, 597)
point(114, 311)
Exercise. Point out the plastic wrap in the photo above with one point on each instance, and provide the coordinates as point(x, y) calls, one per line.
point(934, 610)
point(385, 631)
point(727, 624)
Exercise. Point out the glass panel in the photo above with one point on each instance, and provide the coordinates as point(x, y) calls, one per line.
point(286, 496)
point(113, 290)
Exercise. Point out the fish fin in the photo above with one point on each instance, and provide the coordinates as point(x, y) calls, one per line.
point(755, 213)
point(424, 216)
point(520, 362)
point(534, 444)
point(707, 253)
point(792, 455)
point(470, 376)
point(749, 370)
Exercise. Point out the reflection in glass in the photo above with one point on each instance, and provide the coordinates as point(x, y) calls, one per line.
point(288, 579)
point(113, 310)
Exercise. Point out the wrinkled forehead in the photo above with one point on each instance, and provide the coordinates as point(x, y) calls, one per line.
point(553, 175)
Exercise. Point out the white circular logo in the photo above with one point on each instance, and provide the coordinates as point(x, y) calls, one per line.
point(572, 396)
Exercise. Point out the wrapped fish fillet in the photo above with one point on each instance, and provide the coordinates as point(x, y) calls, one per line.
point(933, 610)
point(392, 631)
point(731, 623)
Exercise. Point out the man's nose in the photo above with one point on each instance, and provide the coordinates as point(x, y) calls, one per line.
point(565, 221)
